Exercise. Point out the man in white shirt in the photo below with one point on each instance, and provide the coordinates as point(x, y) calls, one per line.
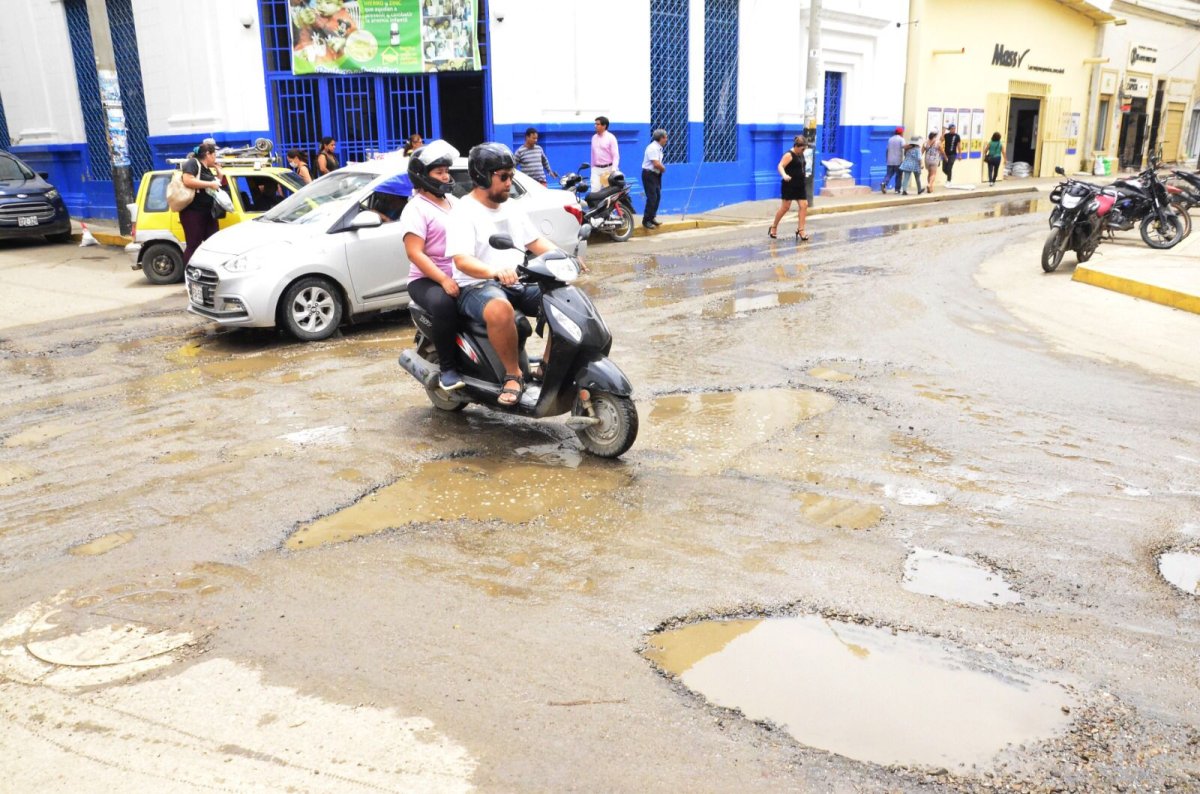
point(652, 171)
point(478, 267)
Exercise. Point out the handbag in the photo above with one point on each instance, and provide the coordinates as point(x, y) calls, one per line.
point(221, 199)
point(179, 196)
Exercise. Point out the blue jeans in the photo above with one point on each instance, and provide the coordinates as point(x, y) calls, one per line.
point(473, 299)
point(893, 172)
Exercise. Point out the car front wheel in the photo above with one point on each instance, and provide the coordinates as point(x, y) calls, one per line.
point(163, 264)
point(311, 309)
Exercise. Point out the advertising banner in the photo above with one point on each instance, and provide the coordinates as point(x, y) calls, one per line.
point(934, 123)
point(387, 36)
point(977, 140)
point(1072, 133)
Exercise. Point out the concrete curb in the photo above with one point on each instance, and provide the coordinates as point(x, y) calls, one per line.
point(679, 226)
point(947, 194)
point(1138, 289)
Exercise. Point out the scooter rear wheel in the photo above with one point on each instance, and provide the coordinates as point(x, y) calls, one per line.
point(617, 429)
point(625, 230)
point(444, 401)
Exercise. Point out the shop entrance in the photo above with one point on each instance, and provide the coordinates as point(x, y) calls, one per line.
point(1023, 118)
point(1133, 133)
point(460, 108)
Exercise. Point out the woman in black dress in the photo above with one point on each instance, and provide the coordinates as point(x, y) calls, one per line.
point(793, 188)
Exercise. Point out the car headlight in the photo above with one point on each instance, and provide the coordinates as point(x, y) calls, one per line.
point(53, 195)
point(568, 326)
point(242, 264)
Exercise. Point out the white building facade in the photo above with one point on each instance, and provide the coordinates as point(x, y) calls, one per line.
point(726, 78)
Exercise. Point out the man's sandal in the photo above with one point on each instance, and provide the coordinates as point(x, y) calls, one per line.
point(513, 395)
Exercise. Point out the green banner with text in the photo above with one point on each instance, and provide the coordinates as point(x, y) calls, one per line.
point(389, 36)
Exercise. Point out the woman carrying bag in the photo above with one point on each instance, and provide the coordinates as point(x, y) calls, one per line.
point(199, 219)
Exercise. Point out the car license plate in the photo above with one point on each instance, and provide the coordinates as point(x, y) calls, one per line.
point(197, 293)
point(27, 220)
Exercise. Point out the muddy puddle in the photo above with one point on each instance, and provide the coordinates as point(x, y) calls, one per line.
point(863, 692)
point(833, 513)
point(708, 432)
point(956, 579)
point(830, 374)
point(1181, 569)
point(744, 286)
point(514, 492)
point(102, 544)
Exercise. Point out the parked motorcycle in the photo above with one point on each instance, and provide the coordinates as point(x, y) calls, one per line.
point(1185, 194)
point(1143, 201)
point(578, 378)
point(1077, 221)
point(608, 209)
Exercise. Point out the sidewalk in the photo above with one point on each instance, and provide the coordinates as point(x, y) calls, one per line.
point(1170, 277)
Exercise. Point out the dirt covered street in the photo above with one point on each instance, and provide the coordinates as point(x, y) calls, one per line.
point(893, 522)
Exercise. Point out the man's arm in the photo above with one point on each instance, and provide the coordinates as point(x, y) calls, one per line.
point(546, 165)
point(616, 153)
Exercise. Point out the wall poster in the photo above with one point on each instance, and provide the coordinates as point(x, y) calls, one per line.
point(934, 123)
point(1072, 133)
point(977, 140)
point(388, 36)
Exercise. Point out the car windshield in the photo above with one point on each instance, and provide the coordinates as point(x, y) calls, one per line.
point(330, 189)
point(12, 169)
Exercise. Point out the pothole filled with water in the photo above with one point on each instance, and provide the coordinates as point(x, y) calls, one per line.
point(953, 578)
point(1182, 569)
point(866, 693)
point(514, 492)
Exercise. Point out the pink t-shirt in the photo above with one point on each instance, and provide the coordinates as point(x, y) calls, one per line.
point(428, 221)
point(604, 150)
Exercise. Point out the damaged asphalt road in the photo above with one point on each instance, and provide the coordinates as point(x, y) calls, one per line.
point(238, 562)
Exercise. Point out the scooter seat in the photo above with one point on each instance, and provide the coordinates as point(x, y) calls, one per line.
point(524, 329)
point(595, 198)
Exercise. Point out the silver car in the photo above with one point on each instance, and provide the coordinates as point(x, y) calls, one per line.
point(324, 256)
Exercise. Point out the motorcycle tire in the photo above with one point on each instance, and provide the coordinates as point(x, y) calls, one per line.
point(617, 428)
point(625, 229)
point(1053, 250)
point(1157, 236)
point(444, 400)
point(1182, 209)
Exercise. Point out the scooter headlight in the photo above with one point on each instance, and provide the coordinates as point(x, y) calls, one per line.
point(568, 326)
point(565, 270)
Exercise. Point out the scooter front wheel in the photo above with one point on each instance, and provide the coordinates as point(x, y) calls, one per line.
point(1053, 250)
point(616, 427)
point(1164, 234)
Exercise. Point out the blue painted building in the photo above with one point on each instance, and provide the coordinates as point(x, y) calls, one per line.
point(725, 78)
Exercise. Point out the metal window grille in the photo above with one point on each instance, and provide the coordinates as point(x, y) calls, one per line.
point(669, 75)
point(80, 32)
point(831, 116)
point(363, 113)
point(129, 77)
point(5, 141)
point(720, 80)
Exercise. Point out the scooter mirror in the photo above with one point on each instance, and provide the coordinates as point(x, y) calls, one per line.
point(1058, 169)
point(501, 242)
point(584, 166)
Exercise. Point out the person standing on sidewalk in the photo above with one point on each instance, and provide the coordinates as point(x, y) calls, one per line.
point(794, 187)
point(531, 159)
point(994, 157)
point(200, 173)
point(950, 143)
point(911, 165)
point(606, 157)
point(933, 159)
point(895, 155)
point(327, 160)
point(652, 171)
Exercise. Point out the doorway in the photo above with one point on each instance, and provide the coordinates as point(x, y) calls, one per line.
point(1023, 118)
point(461, 103)
point(1133, 133)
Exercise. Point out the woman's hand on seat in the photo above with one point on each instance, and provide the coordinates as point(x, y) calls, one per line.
point(451, 287)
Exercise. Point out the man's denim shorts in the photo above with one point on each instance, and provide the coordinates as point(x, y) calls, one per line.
point(473, 299)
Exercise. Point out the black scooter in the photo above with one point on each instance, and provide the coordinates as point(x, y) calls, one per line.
point(579, 378)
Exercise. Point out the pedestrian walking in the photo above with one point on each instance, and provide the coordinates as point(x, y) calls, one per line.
point(298, 161)
point(911, 164)
point(199, 219)
point(895, 155)
point(951, 141)
point(531, 159)
point(327, 159)
point(652, 171)
point(933, 159)
point(606, 156)
point(794, 187)
point(994, 156)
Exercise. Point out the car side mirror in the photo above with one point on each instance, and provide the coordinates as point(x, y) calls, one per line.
point(1058, 169)
point(501, 242)
point(44, 175)
point(585, 231)
point(367, 219)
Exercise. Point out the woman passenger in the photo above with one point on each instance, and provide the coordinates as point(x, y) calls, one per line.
point(431, 277)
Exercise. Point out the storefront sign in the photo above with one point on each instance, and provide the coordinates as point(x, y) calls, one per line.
point(1137, 86)
point(1002, 56)
point(1141, 55)
point(390, 36)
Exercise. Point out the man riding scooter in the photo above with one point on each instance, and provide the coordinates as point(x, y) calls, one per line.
point(478, 267)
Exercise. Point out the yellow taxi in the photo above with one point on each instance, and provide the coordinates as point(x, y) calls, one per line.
point(253, 185)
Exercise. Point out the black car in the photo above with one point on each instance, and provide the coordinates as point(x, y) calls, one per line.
point(29, 205)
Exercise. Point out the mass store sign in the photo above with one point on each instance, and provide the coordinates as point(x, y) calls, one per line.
point(1002, 56)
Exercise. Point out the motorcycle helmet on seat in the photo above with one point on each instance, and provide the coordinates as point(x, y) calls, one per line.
point(616, 179)
point(486, 159)
point(435, 154)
